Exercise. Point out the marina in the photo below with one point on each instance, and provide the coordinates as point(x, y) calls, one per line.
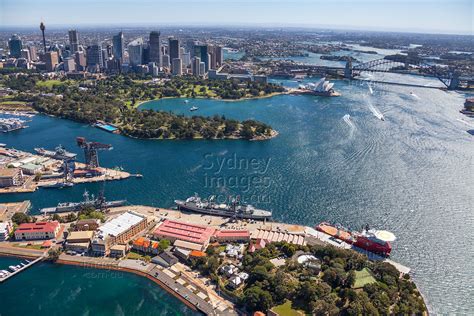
point(14, 270)
point(11, 124)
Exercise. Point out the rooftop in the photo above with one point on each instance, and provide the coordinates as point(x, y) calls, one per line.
point(8, 172)
point(184, 231)
point(120, 224)
point(232, 233)
point(37, 227)
point(80, 235)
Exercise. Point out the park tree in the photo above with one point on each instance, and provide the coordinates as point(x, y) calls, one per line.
point(20, 218)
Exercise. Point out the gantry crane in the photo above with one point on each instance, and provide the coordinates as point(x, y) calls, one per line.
point(91, 151)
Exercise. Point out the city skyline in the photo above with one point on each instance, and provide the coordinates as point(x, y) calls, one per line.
point(388, 15)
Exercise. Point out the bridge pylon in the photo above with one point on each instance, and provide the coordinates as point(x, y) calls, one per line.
point(454, 83)
point(348, 70)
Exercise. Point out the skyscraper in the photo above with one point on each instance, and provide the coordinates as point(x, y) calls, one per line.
point(135, 52)
point(173, 48)
point(15, 45)
point(166, 61)
point(25, 53)
point(118, 47)
point(94, 57)
point(73, 41)
point(69, 64)
point(201, 51)
point(51, 60)
point(155, 48)
point(177, 67)
point(219, 55)
point(196, 66)
point(33, 54)
point(80, 60)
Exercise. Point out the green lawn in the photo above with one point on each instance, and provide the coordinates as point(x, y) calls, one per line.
point(51, 83)
point(12, 102)
point(136, 256)
point(32, 246)
point(362, 278)
point(286, 310)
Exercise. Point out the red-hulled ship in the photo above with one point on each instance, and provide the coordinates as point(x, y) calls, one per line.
point(376, 241)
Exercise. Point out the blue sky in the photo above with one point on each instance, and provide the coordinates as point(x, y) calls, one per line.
point(444, 16)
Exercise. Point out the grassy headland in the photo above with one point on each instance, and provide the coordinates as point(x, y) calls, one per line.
point(114, 100)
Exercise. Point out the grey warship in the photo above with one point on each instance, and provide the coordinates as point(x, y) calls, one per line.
point(234, 209)
point(97, 203)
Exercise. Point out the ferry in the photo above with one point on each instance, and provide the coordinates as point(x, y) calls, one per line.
point(234, 209)
point(376, 241)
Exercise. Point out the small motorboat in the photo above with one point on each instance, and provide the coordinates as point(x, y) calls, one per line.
point(194, 108)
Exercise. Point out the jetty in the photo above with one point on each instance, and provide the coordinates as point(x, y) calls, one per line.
point(23, 268)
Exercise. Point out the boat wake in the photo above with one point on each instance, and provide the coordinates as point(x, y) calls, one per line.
point(414, 96)
point(370, 88)
point(375, 111)
point(347, 118)
point(465, 122)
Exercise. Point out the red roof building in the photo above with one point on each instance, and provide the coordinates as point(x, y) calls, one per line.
point(259, 244)
point(38, 230)
point(174, 230)
point(232, 236)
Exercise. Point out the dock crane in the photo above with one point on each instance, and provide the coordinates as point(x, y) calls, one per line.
point(91, 151)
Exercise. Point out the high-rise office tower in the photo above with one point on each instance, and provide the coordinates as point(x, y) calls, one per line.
point(73, 41)
point(177, 67)
point(219, 55)
point(173, 48)
point(33, 54)
point(186, 58)
point(51, 59)
point(135, 52)
point(69, 64)
point(25, 53)
point(80, 60)
point(94, 57)
point(155, 48)
point(195, 66)
point(201, 51)
point(211, 65)
point(165, 61)
point(15, 45)
point(118, 46)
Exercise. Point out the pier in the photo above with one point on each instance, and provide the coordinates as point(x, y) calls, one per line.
point(23, 268)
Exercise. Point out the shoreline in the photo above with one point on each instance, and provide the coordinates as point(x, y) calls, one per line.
point(157, 275)
point(132, 271)
point(270, 95)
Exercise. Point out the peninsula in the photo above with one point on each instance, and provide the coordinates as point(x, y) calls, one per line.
point(115, 100)
point(224, 267)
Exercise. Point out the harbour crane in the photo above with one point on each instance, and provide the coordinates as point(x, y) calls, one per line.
point(91, 151)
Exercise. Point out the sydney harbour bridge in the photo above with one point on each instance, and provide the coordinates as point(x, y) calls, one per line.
point(450, 78)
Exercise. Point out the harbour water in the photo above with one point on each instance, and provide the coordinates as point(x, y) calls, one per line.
point(53, 289)
point(411, 174)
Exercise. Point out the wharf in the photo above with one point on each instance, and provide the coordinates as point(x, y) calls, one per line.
point(8, 209)
point(10, 275)
point(311, 236)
